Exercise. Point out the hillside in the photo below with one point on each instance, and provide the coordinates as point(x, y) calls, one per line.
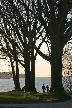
point(8, 75)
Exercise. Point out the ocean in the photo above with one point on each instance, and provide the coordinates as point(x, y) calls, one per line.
point(8, 84)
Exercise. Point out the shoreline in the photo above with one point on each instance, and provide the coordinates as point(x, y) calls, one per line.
point(8, 75)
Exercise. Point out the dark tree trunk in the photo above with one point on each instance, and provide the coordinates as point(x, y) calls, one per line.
point(17, 76)
point(32, 80)
point(27, 73)
point(13, 72)
point(17, 70)
point(30, 69)
point(56, 66)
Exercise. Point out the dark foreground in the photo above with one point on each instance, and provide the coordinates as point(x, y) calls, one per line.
point(67, 104)
point(20, 99)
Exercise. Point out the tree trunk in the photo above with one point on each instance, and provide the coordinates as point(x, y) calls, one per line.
point(17, 76)
point(27, 73)
point(13, 72)
point(17, 70)
point(56, 66)
point(32, 80)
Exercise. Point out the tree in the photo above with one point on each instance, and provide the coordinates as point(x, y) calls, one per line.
point(55, 16)
point(16, 29)
point(51, 18)
point(7, 52)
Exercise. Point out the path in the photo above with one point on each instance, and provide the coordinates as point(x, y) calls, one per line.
point(67, 104)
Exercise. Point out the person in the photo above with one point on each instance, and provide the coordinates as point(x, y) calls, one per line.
point(47, 88)
point(43, 87)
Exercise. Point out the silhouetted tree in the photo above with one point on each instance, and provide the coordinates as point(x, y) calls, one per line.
point(55, 16)
point(18, 28)
point(52, 18)
point(7, 53)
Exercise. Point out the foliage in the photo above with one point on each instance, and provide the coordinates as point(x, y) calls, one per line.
point(55, 17)
point(67, 67)
point(17, 33)
point(50, 19)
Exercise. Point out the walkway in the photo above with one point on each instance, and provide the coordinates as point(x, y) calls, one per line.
point(67, 104)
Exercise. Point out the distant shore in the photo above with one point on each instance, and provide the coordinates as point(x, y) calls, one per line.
point(8, 75)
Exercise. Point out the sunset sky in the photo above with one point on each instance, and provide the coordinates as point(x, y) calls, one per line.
point(42, 68)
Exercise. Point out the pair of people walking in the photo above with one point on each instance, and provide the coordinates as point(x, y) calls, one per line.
point(43, 87)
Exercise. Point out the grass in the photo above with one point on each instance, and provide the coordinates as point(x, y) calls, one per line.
point(59, 96)
point(21, 97)
point(16, 97)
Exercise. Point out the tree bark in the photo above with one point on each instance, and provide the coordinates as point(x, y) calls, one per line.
point(17, 75)
point(17, 69)
point(32, 80)
point(56, 66)
point(27, 73)
point(13, 72)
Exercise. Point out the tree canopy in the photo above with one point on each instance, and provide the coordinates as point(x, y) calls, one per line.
point(49, 21)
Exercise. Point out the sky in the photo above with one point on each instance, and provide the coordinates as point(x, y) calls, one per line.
point(42, 67)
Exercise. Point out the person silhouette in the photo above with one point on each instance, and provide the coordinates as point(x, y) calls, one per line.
point(43, 87)
point(47, 88)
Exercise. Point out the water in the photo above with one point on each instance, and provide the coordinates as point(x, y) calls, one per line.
point(8, 84)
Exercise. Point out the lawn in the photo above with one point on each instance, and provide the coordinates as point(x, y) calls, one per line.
point(17, 97)
point(54, 96)
point(21, 97)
